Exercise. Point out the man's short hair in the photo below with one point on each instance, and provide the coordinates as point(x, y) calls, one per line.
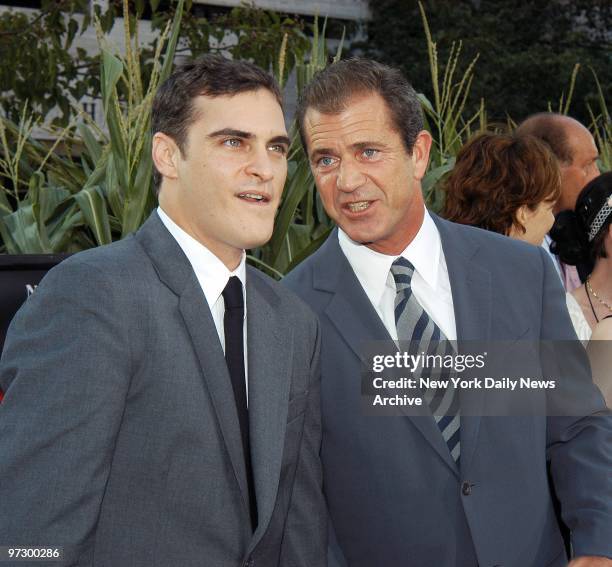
point(332, 88)
point(550, 128)
point(209, 75)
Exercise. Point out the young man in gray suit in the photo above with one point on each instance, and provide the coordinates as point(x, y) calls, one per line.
point(161, 397)
point(440, 488)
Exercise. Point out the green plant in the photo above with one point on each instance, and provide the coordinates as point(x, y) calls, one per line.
point(301, 224)
point(527, 49)
point(601, 126)
point(444, 118)
point(565, 100)
point(52, 202)
point(600, 121)
point(44, 60)
point(117, 195)
point(64, 206)
point(40, 63)
point(250, 33)
point(37, 216)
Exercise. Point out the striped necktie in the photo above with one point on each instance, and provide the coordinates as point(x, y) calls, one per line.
point(415, 325)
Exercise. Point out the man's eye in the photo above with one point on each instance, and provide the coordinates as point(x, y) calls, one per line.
point(233, 142)
point(326, 161)
point(279, 148)
point(370, 153)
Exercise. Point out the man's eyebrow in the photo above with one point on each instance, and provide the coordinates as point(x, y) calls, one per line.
point(365, 145)
point(231, 132)
point(355, 146)
point(280, 140)
point(321, 151)
point(247, 136)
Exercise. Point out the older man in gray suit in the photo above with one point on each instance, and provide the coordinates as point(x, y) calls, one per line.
point(162, 398)
point(442, 488)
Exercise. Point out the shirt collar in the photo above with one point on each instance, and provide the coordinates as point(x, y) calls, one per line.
point(424, 251)
point(373, 268)
point(211, 272)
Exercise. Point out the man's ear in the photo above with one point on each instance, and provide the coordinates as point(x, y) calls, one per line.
point(420, 153)
point(165, 154)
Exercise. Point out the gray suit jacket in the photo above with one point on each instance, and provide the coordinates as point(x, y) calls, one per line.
point(394, 494)
point(119, 436)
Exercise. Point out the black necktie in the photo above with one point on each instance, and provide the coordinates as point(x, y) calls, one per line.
point(233, 322)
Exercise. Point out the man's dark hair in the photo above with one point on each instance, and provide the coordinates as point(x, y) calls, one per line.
point(209, 75)
point(331, 89)
point(550, 128)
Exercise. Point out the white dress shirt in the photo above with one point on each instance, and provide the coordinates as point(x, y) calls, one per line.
point(430, 282)
point(213, 276)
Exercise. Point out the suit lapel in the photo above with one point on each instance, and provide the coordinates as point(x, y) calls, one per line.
point(270, 353)
point(353, 315)
point(176, 272)
point(202, 330)
point(472, 301)
point(355, 324)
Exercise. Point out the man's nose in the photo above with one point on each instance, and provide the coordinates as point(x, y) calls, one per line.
point(260, 165)
point(349, 177)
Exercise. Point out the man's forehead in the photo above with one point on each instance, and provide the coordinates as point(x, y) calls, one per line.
point(257, 112)
point(364, 117)
point(579, 136)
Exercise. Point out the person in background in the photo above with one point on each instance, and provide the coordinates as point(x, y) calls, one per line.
point(583, 238)
point(575, 148)
point(506, 184)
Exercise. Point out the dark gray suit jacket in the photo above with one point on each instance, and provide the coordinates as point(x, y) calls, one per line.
point(394, 494)
point(119, 436)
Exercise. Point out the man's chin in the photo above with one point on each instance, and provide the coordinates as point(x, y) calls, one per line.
point(257, 240)
point(359, 236)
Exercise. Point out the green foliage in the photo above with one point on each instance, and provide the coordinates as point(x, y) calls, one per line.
point(445, 117)
point(301, 224)
point(42, 65)
point(601, 126)
point(250, 33)
point(117, 196)
point(37, 212)
point(37, 62)
point(64, 207)
point(50, 202)
point(527, 49)
point(599, 122)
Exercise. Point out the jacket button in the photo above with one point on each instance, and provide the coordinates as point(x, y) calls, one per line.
point(249, 563)
point(466, 488)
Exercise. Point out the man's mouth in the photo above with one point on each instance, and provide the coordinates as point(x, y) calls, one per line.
point(358, 206)
point(254, 197)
